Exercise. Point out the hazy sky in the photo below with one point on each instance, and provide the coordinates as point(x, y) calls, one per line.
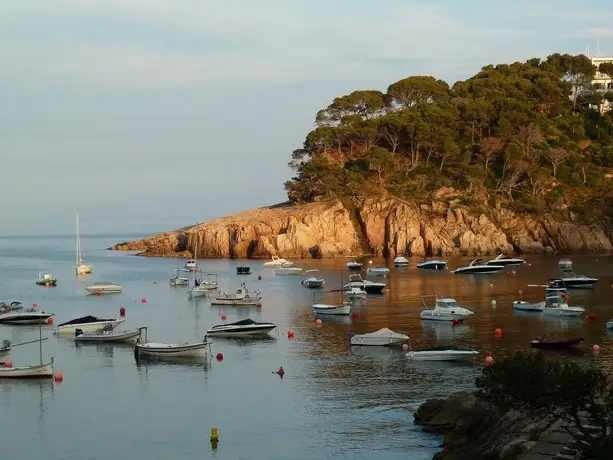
point(152, 114)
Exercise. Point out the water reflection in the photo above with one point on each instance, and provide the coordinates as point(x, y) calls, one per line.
point(445, 330)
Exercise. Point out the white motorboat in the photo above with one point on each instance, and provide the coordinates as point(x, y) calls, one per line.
point(144, 347)
point(325, 309)
point(313, 282)
point(23, 316)
point(528, 306)
point(88, 324)
point(179, 280)
point(241, 298)
point(46, 279)
point(371, 287)
point(401, 261)
point(445, 309)
point(377, 271)
point(382, 337)
point(191, 265)
point(432, 264)
point(277, 262)
point(288, 271)
point(355, 293)
point(246, 327)
point(106, 336)
point(442, 353)
point(478, 267)
point(573, 281)
point(104, 287)
point(203, 286)
point(556, 304)
point(501, 259)
point(82, 268)
point(354, 265)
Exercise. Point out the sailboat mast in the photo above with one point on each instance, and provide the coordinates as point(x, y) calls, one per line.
point(78, 240)
point(40, 342)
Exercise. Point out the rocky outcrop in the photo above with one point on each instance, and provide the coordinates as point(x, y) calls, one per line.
point(473, 429)
point(388, 226)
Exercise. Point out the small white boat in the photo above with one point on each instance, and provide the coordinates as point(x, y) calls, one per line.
point(104, 287)
point(354, 265)
point(382, 337)
point(241, 298)
point(371, 287)
point(144, 347)
point(433, 264)
point(244, 328)
point(107, 336)
point(288, 271)
point(501, 259)
point(313, 282)
point(190, 265)
point(442, 353)
point(41, 371)
point(478, 267)
point(377, 271)
point(46, 279)
point(355, 293)
point(88, 324)
point(179, 280)
point(401, 261)
point(82, 268)
point(325, 309)
point(556, 304)
point(528, 306)
point(573, 281)
point(277, 262)
point(565, 265)
point(23, 316)
point(202, 286)
point(445, 309)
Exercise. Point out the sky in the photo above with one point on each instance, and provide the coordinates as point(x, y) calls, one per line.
point(149, 115)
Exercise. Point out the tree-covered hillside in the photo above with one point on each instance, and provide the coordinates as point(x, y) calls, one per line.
point(529, 136)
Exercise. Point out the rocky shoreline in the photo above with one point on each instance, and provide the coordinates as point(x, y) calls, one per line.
point(386, 227)
point(472, 429)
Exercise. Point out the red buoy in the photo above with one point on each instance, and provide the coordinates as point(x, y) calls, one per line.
point(281, 372)
point(592, 316)
point(219, 357)
point(223, 315)
point(34, 305)
point(290, 333)
point(489, 360)
point(318, 322)
point(455, 322)
point(259, 305)
point(8, 363)
point(122, 311)
point(354, 314)
point(498, 332)
point(143, 299)
point(58, 377)
point(405, 347)
point(595, 349)
point(50, 320)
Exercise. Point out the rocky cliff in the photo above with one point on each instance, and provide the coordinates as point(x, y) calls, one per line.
point(379, 226)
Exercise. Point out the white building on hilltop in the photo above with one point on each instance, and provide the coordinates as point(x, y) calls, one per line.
point(602, 83)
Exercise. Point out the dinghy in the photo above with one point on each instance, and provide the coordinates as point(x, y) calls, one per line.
point(377, 271)
point(144, 347)
point(104, 287)
point(442, 353)
point(401, 261)
point(46, 279)
point(325, 309)
point(88, 324)
point(246, 327)
point(354, 265)
point(288, 271)
point(313, 282)
point(381, 338)
point(106, 336)
point(556, 344)
point(528, 306)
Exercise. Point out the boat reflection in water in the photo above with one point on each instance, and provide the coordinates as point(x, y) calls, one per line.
point(444, 330)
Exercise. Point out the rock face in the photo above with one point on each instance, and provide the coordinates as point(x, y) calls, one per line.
point(386, 227)
point(474, 430)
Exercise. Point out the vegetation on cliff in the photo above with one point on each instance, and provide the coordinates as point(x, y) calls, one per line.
point(530, 136)
point(582, 397)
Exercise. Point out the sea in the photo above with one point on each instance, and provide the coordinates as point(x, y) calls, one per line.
point(334, 401)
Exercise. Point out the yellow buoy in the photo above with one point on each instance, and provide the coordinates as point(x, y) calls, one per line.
point(214, 435)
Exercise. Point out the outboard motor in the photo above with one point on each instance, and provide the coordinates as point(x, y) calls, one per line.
point(6, 344)
point(78, 332)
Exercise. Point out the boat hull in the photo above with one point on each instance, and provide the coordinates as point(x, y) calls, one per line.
point(44, 371)
point(241, 332)
point(84, 269)
point(95, 290)
point(338, 310)
point(88, 327)
point(313, 284)
point(556, 344)
point(450, 355)
point(432, 265)
point(568, 311)
point(236, 302)
point(198, 292)
point(505, 263)
point(481, 270)
point(195, 350)
point(125, 337)
point(47, 283)
point(389, 338)
point(17, 318)
point(587, 283)
point(527, 306)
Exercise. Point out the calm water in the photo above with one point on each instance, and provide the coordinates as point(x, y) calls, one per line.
point(333, 402)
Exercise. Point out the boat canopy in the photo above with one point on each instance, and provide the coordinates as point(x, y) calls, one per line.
point(84, 320)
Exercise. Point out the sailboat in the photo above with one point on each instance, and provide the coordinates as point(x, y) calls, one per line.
point(81, 267)
point(198, 287)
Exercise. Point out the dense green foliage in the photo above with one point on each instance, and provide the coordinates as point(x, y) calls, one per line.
point(582, 397)
point(529, 135)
